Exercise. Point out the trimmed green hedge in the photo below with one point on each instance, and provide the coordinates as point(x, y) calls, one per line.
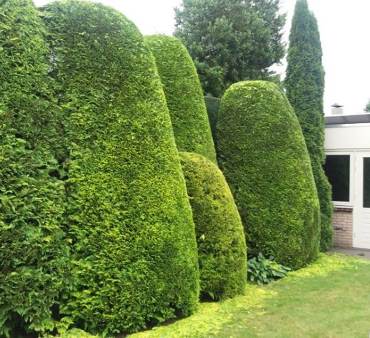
point(34, 263)
point(265, 160)
point(184, 95)
point(130, 222)
point(219, 230)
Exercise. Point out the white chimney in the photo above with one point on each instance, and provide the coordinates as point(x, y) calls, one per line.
point(336, 109)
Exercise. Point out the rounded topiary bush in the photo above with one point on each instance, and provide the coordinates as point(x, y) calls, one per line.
point(265, 160)
point(130, 222)
point(34, 264)
point(184, 95)
point(219, 230)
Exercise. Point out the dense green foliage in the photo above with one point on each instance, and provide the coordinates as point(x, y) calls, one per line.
point(184, 96)
point(213, 106)
point(262, 270)
point(305, 90)
point(33, 253)
point(130, 222)
point(231, 41)
point(264, 158)
point(219, 230)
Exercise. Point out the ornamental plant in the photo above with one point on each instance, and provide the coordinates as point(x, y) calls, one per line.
point(219, 231)
point(184, 96)
point(130, 223)
point(305, 90)
point(262, 270)
point(34, 260)
point(264, 158)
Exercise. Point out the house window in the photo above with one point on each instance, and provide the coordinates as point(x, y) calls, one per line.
point(366, 182)
point(337, 168)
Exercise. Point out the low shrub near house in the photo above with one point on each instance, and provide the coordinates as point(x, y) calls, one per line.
point(219, 231)
point(265, 160)
point(130, 224)
point(34, 259)
point(184, 95)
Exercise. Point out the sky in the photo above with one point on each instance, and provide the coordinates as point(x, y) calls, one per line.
point(344, 27)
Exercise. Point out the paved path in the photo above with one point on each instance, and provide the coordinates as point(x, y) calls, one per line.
point(365, 253)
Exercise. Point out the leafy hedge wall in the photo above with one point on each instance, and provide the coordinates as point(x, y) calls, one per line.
point(130, 222)
point(220, 235)
point(34, 264)
point(184, 95)
point(265, 160)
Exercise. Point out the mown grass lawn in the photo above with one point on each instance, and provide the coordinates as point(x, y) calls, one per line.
point(330, 298)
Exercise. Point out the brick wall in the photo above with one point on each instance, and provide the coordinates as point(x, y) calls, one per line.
point(343, 227)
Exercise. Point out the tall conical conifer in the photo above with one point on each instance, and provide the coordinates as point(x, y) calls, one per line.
point(305, 90)
point(129, 219)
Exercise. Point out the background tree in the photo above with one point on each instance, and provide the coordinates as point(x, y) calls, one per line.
point(367, 108)
point(305, 90)
point(239, 40)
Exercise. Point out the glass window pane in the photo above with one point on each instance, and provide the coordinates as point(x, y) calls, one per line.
point(337, 169)
point(367, 182)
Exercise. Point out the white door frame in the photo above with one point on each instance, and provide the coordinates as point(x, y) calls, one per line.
point(361, 215)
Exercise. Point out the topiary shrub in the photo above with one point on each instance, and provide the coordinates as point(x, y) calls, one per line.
point(220, 235)
point(265, 160)
point(184, 95)
point(34, 263)
point(130, 222)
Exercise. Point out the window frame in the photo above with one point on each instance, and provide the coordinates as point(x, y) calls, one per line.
point(344, 204)
point(364, 182)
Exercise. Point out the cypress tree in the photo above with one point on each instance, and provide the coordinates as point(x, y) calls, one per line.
point(305, 90)
point(265, 160)
point(130, 223)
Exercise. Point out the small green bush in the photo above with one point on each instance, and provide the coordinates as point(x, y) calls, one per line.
point(130, 222)
point(220, 235)
point(184, 95)
point(265, 160)
point(34, 263)
point(264, 271)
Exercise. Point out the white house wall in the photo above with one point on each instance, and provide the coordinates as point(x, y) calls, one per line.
point(347, 137)
point(351, 221)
